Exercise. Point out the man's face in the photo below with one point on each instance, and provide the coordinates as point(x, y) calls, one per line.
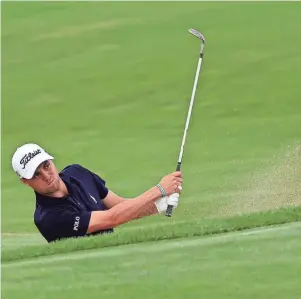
point(46, 179)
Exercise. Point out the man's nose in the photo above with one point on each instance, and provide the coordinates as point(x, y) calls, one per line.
point(44, 175)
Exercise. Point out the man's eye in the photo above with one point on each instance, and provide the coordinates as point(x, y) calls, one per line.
point(46, 165)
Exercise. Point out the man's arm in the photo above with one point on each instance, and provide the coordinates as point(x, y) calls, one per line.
point(123, 212)
point(113, 200)
point(128, 210)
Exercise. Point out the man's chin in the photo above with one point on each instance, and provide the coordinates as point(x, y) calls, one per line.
point(53, 187)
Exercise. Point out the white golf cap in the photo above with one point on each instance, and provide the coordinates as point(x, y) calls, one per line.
point(27, 159)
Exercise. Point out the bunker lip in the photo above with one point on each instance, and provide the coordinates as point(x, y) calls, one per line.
point(162, 245)
point(157, 233)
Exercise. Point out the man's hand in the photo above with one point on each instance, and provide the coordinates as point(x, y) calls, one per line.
point(163, 202)
point(171, 183)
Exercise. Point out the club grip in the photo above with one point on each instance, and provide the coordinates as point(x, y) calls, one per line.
point(169, 211)
point(169, 207)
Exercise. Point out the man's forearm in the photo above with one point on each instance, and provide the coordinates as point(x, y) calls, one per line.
point(148, 211)
point(124, 212)
point(143, 205)
point(113, 200)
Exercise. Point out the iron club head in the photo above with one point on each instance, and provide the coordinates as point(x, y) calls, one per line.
point(198, 35)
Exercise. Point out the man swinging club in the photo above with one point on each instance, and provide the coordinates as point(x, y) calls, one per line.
point(76, 202)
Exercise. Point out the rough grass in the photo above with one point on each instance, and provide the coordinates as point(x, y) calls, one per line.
point(155, 233)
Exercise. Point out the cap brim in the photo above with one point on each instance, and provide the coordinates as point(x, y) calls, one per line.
point(35, 164)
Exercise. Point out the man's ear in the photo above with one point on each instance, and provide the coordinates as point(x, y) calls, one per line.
point(24, 181)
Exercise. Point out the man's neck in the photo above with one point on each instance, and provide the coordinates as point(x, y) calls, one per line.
point(61, 192)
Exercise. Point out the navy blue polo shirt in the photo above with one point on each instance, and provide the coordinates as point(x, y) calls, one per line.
point(69, 216)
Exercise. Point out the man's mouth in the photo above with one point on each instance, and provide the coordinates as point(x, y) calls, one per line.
point(50, 183)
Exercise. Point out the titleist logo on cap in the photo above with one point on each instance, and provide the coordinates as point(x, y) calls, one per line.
point(28, 157)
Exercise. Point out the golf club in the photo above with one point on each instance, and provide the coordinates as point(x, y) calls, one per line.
point(202, 38)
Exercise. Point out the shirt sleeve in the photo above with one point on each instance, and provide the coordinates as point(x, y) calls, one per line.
point(65, 224)
point(101, 186)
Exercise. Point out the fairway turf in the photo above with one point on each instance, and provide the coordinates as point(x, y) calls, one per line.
point(107, 86)
point(262, 263)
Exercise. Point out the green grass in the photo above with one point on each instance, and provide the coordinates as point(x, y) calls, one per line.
point(107, 85)
point(262, 263)
point(154, 233)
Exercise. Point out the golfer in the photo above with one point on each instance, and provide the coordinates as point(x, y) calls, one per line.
point(76, 202)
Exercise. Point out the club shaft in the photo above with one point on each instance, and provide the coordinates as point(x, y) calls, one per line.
point(178, 168)
point(190, 110)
